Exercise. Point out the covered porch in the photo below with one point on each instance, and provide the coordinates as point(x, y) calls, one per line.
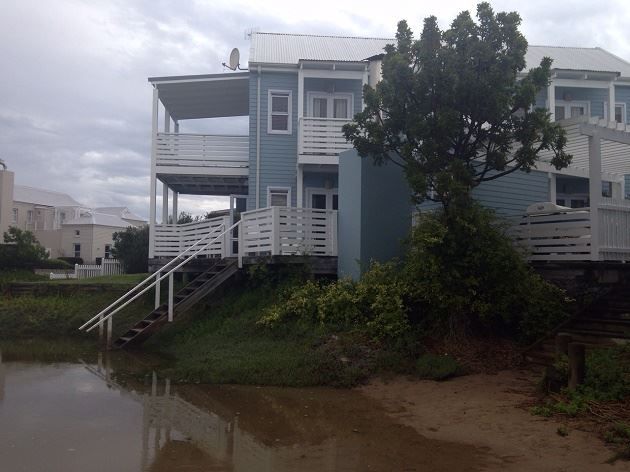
point(193, 163)
point(598, 229)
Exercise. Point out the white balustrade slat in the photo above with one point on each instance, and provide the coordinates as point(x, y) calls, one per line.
point(171, 240)
point(196, 150)
point(322, 136)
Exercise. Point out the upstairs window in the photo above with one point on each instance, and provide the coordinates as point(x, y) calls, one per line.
point(620, 112)
point(15, 216)
point(108, 251)
point(29, 216)
point(279, 114)
point(278, 196)
point(77, 250)
point(77, 232)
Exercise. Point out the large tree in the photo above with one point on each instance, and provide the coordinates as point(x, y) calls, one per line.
point(455, 108)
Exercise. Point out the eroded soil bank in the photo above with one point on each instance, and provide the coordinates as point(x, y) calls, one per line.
point(490, 412)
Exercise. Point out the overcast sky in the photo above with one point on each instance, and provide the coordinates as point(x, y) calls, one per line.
point(74, 98)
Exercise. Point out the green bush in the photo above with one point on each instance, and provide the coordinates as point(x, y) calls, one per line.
point(373, 305)
point(436, 367)
point(71, 260)
point(131, 247)
point(21, 250)
point(466, 275)
point(54, 264)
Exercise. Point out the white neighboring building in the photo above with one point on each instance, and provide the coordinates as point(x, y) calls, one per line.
point(65, 227)
point(90, 236)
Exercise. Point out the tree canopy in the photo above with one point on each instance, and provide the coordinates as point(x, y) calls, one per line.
point(131, 247)
point(455, 108)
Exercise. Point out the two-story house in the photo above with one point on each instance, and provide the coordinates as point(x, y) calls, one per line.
point(298, 92)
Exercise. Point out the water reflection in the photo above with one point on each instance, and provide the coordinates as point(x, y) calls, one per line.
point(201, 428)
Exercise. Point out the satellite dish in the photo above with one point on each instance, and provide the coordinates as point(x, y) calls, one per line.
point(235, 57)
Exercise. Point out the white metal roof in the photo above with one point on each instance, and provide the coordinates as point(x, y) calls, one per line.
point(38, 196)
point(276, 48)
point(575, 58)
point(122, 212)
point(100, 219)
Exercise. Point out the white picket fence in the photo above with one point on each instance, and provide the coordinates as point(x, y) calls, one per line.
point(86, 271)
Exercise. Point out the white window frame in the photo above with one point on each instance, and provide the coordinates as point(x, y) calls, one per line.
point(271, 190)
point(29, 216)
point(77, 233)
point(74, 249)
point(107, 251)
point(15, 215)
point(617, 104)
point(270, 111)
point(568, 104)
point(330, 98)
point(329, 192)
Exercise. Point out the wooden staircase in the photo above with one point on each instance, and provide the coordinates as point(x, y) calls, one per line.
point(198, 288)
point(605, 323)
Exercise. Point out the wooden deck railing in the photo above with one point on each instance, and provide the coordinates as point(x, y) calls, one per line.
point(171, 240)
point(201, 150)
point(322, 136)
point(566, 235)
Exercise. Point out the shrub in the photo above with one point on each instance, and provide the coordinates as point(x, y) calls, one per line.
point(436, 367)
point(131, 247)
point(21, 250)
point(54, 264)
point(466, 275)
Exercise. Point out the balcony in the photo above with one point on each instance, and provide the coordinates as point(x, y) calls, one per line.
point(202, 154)
point(321, 140)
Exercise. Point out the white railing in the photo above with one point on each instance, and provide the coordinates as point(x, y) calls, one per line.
point(86, 271)
point(322, 136)
point(556, 236)
point(614, 229)
point(192, 252)
point(288, 231)
point(172, 240)
point(201, 150)
point(567, 235)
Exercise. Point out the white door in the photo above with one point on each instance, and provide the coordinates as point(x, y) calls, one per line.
point(330, 105)
point(322, 199)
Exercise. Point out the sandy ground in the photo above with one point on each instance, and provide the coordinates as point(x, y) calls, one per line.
point(487, 411)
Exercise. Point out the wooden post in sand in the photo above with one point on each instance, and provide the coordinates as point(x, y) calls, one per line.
point(577, 361)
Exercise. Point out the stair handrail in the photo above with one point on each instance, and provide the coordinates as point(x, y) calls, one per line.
point(100, 318)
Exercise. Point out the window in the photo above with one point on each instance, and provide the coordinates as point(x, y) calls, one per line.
point(329, 105)
point(108, 251)
point(322, 198)
point(29, 216)
point(606, 189)
point(62, 215)
point(572, 109)
point(279, 114)
point(620, 112)
point(15, 216)
point(77, 232)
point(278, 196)
point(77, 250)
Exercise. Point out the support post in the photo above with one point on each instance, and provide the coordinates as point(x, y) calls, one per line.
point(109, 332)
point(300, 186)
point(157, 289)
point(551, 100)
point(300, 113)
point(562, 345)
point(175, 210)
point(595, 190)
point(164, 204)
point(170, 297)
point(552, 188)
point(275, 231)
point(153, 183)
point(611, 102)
point(101, 330)
point(577, 360)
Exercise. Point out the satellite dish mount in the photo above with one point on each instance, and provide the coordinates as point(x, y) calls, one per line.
point(235, 57)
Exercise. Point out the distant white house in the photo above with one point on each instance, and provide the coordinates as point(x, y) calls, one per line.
point(65, 227)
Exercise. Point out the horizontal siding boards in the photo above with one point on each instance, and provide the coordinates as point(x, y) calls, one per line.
point(278, 152)
point(353, 86)
point(511, 194)
point(627, 186)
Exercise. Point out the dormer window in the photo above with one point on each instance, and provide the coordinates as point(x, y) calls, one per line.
point(279, 114)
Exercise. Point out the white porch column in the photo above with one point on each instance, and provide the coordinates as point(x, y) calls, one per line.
point(611, 102)
point(300, 113)
point(595, 190)
point(164, 204)
point(552, 188)
point(300, 186)
point(551, 99)
point(175, 211)
point(153, 183)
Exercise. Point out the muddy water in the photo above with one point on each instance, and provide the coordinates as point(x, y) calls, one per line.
point(78, 416)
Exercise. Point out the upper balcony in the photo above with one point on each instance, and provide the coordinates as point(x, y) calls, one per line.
point(320, 140)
